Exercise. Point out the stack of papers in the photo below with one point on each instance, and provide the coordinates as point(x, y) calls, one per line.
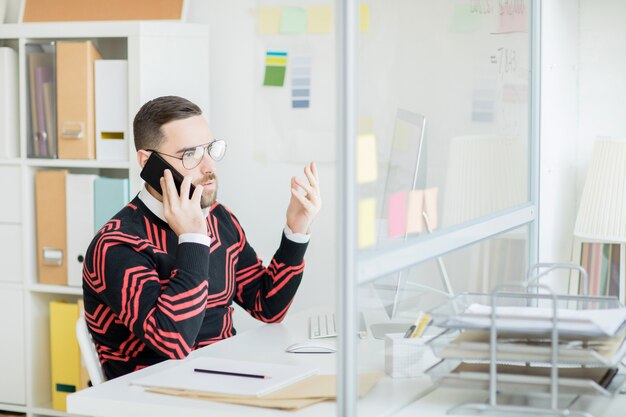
point(184, 377)
point(599, 322)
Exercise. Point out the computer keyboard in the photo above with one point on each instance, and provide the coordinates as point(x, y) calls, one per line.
point(324, 325)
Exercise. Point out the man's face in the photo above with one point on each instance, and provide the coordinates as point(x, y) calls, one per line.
point(184, 135)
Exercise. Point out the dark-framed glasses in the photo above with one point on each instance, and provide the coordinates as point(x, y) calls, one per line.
point(191, 158)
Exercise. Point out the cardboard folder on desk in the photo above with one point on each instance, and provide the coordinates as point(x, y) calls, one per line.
point(51, 226)
point(75, 99)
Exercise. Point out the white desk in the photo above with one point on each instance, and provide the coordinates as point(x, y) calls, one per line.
point(117, 398)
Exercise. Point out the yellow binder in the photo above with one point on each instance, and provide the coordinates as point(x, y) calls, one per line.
point(65, 364)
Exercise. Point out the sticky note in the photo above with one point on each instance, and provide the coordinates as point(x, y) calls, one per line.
point(269, 20)
point(414, 209)
point(464, 19)
point(430, 207)
point(274, 76)
point(293, 20)
point(366, 159)
point(513, 19)
point(320, 19)
point(367, 222)
point(366, 125)
point(396, 214)
point(364, 18)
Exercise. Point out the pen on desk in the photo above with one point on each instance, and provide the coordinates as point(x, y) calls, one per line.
point(411, 329)
point(211, 371)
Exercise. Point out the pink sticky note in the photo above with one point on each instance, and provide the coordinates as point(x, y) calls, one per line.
point(513, 18)
point(396, 220)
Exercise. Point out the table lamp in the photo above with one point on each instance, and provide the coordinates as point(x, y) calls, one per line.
point(601, 217)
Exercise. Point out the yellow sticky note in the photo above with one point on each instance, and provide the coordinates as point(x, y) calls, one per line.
point(320, 19)
point(366, 160)
point(364, 17)
point(366, 125)
point(414, 209)
point(367, 222)
point(269, 20)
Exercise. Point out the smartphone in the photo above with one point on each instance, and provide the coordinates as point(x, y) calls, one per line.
point(153, 171)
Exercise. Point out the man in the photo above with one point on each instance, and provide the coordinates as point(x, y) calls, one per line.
point(160, 277)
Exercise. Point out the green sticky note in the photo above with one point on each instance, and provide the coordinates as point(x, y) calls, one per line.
point(274, 76)
point(464, 19)
point(293, 20)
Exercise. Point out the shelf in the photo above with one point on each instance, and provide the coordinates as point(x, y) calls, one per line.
point(55, 289)
point(46, 409)
point(77, 163)
point(12, 408)
point(10, 161)
point(110, 29)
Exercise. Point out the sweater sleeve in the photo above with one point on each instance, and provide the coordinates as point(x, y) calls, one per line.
point(267, 292)
point(166, 316)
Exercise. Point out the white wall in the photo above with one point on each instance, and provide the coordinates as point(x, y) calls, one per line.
point(252, 184)
point(583, 97)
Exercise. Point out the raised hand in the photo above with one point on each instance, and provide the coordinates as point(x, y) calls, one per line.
point(305, 202)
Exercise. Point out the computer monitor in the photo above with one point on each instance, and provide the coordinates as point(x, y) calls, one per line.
point(406, 171)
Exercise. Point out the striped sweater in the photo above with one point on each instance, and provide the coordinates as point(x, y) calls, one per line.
point(149, 298)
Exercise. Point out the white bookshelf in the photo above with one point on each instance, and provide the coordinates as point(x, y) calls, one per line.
point(164, 58)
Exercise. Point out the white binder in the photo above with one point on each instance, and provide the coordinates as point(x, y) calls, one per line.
point(8, 103)
point(111, 92)
point(80, 219)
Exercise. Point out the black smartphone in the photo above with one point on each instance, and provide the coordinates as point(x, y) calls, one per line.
point(153, 171)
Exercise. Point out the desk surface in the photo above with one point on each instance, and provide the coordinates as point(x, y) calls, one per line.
point(267, 343)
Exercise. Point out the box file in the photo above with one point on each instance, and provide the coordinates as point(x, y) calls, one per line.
point(8, 103)
point(80, 221)
point(66, 370)
point(110, 196)
point(75, 99)
point(111, 84)
point(50, 209)
point(42, 139)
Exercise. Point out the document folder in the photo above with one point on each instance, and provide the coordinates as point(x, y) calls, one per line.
point(110, 196)
point(50, 205)
point(80, 220)
point(75, 99)
point(66, 369)
point(8, 103)
point(111, 84)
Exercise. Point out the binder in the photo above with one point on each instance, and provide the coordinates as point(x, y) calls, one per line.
point(80, 219)
point(50, 205)
point(110, 196)
point(66, 370)
point(40, 71)
point(8, 103)
point(75, 99)
point(111, 84)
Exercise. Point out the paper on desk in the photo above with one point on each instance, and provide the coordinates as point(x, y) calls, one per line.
point(183, 377)
point(584, 322)
point(303, 393)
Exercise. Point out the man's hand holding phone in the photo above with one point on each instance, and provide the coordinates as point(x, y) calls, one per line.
point(183, 214)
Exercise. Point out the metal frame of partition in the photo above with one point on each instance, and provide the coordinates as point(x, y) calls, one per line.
point(355, 270)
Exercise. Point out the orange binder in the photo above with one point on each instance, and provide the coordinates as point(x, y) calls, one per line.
point(75, 100)
point(51, 226)
point(81, 10)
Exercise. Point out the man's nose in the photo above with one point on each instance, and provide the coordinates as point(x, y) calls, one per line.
point(207, 164)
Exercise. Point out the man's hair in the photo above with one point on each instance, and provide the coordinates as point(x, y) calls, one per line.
point(154, 114)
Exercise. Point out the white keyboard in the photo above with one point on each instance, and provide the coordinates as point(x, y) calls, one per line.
point(325, 325)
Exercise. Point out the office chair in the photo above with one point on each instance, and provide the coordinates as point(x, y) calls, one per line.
point(88, 352)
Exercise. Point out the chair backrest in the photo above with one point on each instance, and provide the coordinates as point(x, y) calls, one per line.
point(88, 352)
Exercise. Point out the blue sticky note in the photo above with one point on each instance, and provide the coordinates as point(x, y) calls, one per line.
point(300, 93)
point(299, 104)
point(293, 20)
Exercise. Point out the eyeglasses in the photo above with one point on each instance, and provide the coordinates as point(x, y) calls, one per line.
point(192, 157)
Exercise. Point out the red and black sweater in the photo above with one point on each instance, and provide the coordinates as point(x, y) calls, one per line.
point(149, 298)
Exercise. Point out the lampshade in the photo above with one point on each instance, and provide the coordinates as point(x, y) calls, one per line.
point(602, 211)
point(485, 174)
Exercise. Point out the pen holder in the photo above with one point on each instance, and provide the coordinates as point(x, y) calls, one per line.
point(406, 358)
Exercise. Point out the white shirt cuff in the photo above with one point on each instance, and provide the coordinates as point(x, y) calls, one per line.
point(296, 237)
point(194, 238)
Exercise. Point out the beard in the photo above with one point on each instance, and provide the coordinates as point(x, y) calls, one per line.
point(208, 196)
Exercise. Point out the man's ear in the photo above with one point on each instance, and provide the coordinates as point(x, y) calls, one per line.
point(142, 157)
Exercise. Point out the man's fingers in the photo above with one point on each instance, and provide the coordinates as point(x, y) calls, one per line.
point(197, 194)
point(312, 175)
point(185, 186)
point(305, 203)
